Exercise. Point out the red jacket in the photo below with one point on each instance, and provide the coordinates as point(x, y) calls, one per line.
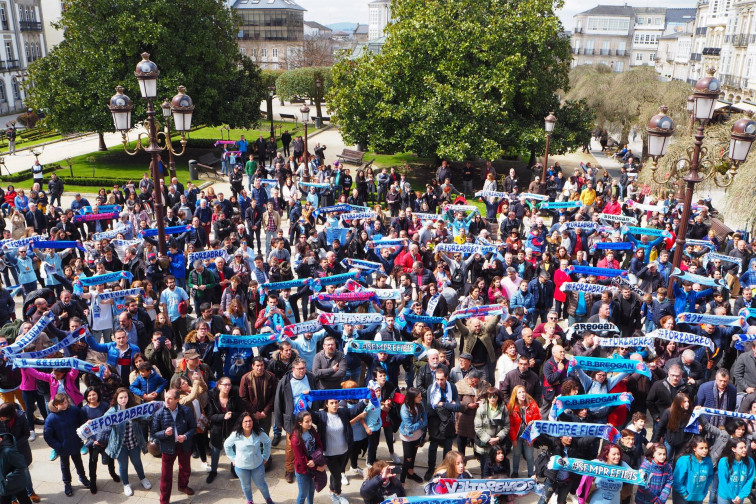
point(613, 208)
point(301, 457)
point(560, 277)
point(532, 412)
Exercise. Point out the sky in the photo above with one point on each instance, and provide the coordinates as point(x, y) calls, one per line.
point(356, 11)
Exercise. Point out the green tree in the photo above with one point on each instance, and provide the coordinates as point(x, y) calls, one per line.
point(300, 83)
point(627, 100)
point(193, 43)
point(455, 79)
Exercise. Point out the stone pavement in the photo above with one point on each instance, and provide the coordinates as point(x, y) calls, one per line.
point(47, 481)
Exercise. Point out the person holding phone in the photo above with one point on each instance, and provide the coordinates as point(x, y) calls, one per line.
point(381, 484)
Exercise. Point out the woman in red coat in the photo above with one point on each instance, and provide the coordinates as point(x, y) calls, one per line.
point(522, 410)
point(560, 277)
point(305, 442)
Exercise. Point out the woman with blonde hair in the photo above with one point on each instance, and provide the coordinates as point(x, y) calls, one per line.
point(522, 410)
point(452, 467)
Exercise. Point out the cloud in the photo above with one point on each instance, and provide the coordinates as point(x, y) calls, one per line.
point(356, 11)
point(335, 11)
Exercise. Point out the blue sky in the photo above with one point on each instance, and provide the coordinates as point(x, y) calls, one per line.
point(356, 11)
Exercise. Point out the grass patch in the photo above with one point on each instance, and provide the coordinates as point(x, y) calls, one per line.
point(397, 160)
point(216, 132)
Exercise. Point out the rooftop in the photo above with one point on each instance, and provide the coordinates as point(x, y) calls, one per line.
point(267, 4)
point(649, 10)
point(317, 26)
point(681, 15)
point(361, 29)
point(610, 10)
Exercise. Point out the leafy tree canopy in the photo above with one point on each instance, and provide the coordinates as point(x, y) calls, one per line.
point(629, 99)
point(460, 79)
point(193, 43)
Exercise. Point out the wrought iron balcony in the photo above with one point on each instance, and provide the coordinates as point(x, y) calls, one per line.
point(30, 25)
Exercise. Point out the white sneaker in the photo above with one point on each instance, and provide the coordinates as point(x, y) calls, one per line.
point(206, 467)
point(127, 490)
point(146, 484)
point(342, 500)
point(368, 465)
point(396, 458)
point(335, 499)
point(32, 435)
point(344, 479)
point(357, 472)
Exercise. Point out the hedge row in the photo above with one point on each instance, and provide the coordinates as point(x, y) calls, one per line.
point(27, 174)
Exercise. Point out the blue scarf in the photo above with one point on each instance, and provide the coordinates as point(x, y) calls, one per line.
point(638, 341)
point(553, 205)
point(598, 470)
point(583, 287)
point(96, 425)
point(699, 279)
point(572, 429)
point(68, 362)
point(354, 394)
point(333, 209)
point(693, 422)
point(363, 265)
point(742, 338)
point(591, 401)
point(611, 246)
point(59, 244)
point(169, 230)
point(114, 276)
point(608, 365)
point(233, 341)
point(516, 486)
point(466, 248)
point(31, 335)
point(599, 272)
point(703, 318)
point(138, 291)
point(389, 347)
point(683, 338)
point(207, 254)
point(71, 338)
point(316, 284)
point(96, 217)
point(457, 498)
point(646, 231)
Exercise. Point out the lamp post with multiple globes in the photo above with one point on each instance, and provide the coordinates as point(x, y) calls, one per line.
point(181, 108)
point(549, 122)
point(697, 166)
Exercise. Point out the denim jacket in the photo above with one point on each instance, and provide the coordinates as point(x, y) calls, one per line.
point(411, 423)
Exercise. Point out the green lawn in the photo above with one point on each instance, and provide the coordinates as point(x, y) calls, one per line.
point(397, 160)
point(216, 132)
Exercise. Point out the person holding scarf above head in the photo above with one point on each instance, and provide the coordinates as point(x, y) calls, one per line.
point(598, 383)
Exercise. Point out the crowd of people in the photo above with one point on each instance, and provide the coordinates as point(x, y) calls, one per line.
point(346, 318)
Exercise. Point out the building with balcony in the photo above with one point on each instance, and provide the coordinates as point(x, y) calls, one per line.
point(603, 36)
point(379, 16)
point(271, 31)
point(649, 26)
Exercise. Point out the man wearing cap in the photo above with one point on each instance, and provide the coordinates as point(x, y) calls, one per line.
point(650, 278)
point(462, 369)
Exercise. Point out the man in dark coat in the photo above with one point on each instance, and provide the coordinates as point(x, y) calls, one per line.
point(524, 376)
point(664, 391)
point(719, 394)
point(174, 427)
point(441, 403)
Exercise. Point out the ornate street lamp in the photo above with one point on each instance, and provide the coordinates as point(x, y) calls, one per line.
point(271, 92)
point(697, 166)
point(181, 107)
point(549, 122)
point(305, 111)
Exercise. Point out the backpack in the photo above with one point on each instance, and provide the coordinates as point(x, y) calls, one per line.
point(458, 279)
point(542, 464)
point(14, 473)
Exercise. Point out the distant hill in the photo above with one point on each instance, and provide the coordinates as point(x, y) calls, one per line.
point(347, 27)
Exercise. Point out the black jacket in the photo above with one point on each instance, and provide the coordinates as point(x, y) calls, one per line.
point(220, 428)
point(7, 307)
point(373, 491)
point(320, 418)
point(185, 424)
point(284, 405)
